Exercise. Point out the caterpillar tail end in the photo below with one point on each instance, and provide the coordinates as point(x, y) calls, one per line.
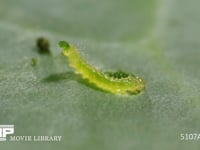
point(65, 46)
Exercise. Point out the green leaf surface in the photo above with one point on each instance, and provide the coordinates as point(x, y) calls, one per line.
point(155, 39)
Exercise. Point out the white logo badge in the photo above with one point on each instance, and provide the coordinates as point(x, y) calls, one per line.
point(5, 130)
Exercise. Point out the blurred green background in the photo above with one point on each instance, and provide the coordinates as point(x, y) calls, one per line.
point(156, 39)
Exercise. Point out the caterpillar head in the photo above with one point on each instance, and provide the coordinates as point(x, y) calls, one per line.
point(65, 46)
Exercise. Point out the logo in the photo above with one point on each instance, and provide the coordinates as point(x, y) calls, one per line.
point(6, 130)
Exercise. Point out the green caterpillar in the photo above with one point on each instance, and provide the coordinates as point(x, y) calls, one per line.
point(117, 83)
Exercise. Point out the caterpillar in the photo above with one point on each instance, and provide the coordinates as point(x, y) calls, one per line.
point(119, 83)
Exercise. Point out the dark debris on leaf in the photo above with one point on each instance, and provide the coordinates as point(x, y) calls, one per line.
point(43, 45)
point(33, 62)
